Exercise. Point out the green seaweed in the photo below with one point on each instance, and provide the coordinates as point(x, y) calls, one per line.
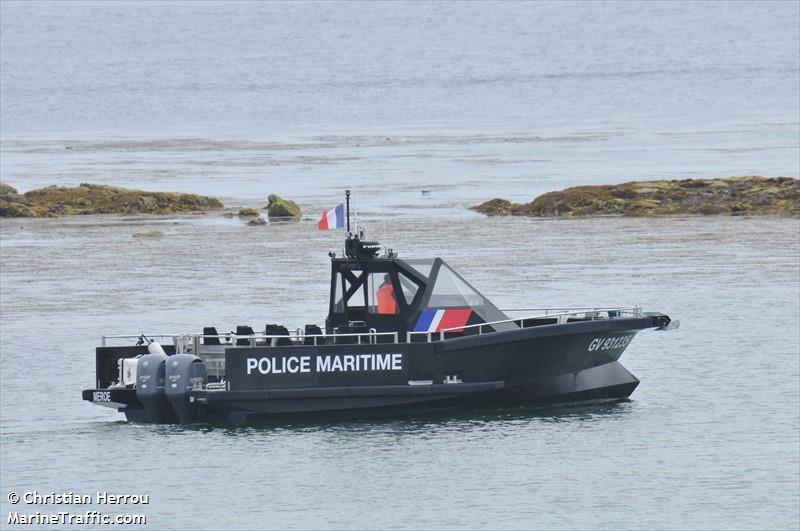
point(279, 207)
point(87, 199)
point(148, 234)
point(736, 196)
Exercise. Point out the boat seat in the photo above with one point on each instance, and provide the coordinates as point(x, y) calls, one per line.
point(243, 330)
point(278, 330)
point(313, 330)
point(210, 331)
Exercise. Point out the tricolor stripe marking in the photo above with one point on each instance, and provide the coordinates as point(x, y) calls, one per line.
point(433, 320)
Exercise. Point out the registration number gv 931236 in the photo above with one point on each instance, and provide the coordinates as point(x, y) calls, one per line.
point(609, 343)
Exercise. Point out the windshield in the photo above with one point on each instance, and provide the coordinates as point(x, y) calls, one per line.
point(421, 265)
point(452, 291)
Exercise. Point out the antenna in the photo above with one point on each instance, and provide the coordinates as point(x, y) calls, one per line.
point(383, 206)
point(354, 245)
point(347, 196)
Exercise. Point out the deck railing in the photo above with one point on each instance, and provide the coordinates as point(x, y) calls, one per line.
point(183, 341)
point(561, 315)
point(192, 342)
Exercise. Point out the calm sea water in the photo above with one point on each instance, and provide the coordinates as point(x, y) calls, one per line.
point(469, 101)
point(240, 100)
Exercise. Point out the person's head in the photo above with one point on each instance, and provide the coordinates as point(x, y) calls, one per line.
point(387, 279)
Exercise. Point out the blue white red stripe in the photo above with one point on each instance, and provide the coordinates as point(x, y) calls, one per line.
point(332, 219)
point(433, 320)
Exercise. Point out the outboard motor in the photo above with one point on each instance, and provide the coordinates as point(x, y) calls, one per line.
point(184, 373)
point(150, 384)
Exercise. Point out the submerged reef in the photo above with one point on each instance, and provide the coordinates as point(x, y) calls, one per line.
point(148, 234)
point(86, 198)
point(749, 195)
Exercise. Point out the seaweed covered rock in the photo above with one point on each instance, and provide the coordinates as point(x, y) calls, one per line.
point(6, 189)
point(247, 213)
point(12, 204)
point(497, 207)
point(278, 207)
point(148, 234)
point(748, 195)
point(13, 209)
point(100, 199)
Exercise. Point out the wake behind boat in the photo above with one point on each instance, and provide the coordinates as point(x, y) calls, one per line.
point(401, 337)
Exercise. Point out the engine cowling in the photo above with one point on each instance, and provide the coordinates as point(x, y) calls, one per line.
point(150, 370)
point(184, 373)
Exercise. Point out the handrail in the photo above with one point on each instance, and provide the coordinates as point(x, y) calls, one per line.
point(593, 313)
point(372, 336)
point(548, 310)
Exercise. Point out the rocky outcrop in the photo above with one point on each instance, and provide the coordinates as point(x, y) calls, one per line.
point(99, 199)
point(148, 234)
point(12, 204)
point(748, 195)
point(278, 207)
point(247, 213)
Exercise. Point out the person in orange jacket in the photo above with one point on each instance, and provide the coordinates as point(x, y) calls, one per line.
point(387, 303)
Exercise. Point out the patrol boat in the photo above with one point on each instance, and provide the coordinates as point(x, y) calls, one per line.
point(401, 337)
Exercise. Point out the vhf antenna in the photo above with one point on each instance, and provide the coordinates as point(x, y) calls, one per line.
point(347, 196)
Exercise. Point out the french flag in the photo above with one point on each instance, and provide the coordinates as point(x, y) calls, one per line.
point(332, 219)
point(433, 320)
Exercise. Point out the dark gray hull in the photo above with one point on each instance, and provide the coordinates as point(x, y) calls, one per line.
point(539, 365)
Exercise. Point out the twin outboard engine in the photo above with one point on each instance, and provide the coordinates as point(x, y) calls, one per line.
point(150, 371)
point(184, 372)
point(164, 385)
